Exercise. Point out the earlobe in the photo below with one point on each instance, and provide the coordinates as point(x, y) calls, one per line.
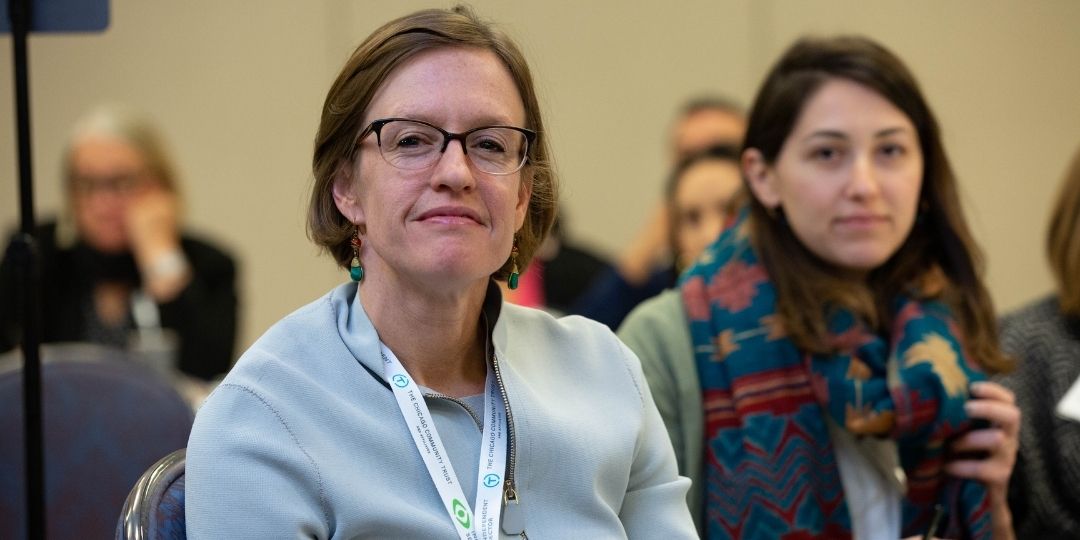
point(345, 197)
point(761, 178)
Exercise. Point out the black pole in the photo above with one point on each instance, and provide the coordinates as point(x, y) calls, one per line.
point(26, 259)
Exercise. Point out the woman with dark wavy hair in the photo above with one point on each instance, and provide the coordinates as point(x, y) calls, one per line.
point(816, 368)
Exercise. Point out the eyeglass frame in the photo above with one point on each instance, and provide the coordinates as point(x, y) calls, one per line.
point(119, 183)
point(377, 125)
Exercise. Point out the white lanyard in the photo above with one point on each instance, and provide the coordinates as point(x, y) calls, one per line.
point(484, 523)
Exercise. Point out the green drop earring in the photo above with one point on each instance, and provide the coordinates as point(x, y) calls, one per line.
point(512, 282)
point(356, 272)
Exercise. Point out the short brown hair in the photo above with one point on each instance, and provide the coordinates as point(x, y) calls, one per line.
point(365, 71)
point(1063, 239)
point(939, 255)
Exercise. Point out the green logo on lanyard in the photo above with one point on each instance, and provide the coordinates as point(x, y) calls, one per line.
point(461, 514)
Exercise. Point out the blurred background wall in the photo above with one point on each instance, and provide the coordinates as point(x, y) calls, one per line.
point(237, 87)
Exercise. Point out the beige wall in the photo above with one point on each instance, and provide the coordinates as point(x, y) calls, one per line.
point(237, 87)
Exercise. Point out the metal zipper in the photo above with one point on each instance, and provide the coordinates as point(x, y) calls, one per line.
point(510, 488)
point(509, 425)
point(510, 494)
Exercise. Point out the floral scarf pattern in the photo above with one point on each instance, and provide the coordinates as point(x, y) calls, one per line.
point(770, 470)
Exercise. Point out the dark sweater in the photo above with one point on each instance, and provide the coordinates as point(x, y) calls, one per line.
point(1044, 492)
point(203, 315)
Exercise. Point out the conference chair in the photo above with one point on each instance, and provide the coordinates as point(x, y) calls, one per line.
point(105, 421)
point(154, 509)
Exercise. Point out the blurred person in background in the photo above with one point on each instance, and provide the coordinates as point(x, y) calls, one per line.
point(1044, 492)
point(703, 122)
point(698, 194)
point(644, 267)
point(560, 272)
point(118, 269)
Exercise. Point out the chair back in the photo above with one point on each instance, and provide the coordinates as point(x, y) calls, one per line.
point(105, 421)
point(154, 509)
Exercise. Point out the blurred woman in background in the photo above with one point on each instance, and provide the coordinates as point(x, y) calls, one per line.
point(1045, 337)
point(118, 269)
point(698, 196)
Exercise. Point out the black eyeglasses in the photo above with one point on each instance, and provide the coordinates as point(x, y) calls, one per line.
point(413, 145)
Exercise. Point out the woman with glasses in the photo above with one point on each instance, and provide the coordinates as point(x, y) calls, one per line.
point(413, 402)
point(119, 270)
point(816, 369)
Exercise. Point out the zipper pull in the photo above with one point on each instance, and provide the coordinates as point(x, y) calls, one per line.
point(513, 518)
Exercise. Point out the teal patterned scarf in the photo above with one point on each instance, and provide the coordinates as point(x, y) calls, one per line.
point(770, 470)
